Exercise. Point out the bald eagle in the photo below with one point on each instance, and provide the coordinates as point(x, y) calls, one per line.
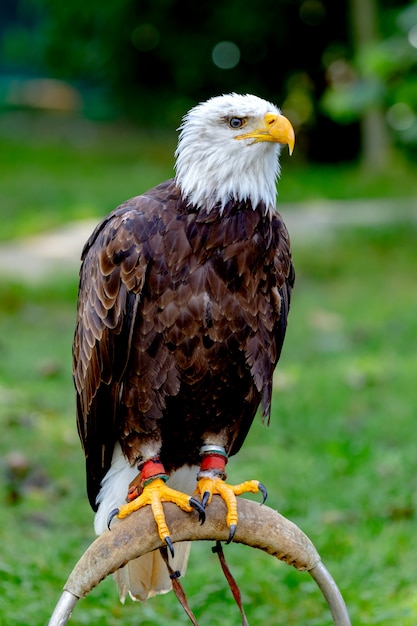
point(183, 300)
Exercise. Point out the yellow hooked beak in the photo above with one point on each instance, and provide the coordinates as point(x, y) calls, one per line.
point(276, 128)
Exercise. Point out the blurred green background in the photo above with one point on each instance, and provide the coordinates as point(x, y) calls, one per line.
point(90, 96)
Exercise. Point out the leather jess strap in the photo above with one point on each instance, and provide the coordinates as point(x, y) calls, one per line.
point(180, 593)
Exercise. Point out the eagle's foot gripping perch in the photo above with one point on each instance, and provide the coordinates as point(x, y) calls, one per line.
point(211, 481)
point(153, 490)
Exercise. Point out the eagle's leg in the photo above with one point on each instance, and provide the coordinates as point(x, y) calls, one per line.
point(211, 480)
point(150, 488)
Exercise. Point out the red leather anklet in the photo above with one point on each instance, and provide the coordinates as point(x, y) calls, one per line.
point(151, 469)
point(213, 459)
point(213, 462)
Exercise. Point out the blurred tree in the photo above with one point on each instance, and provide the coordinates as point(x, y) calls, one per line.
point(152, 59)
point(365, 31)
point(164, 47)
point(376, 83)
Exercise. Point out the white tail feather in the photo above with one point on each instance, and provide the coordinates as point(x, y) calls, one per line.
point(146, 576)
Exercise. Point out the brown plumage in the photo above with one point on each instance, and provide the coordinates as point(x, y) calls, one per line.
point(181, 320)
point(182, 312)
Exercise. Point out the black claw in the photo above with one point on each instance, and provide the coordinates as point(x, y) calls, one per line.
point(206, 496)
point(170, 545)
point(263, 491)
point(110, 517)
point(199, 507)
point(232, 530)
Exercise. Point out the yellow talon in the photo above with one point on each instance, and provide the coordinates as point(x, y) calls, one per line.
point(207, 487)
point(154, 493)
point(249, 486)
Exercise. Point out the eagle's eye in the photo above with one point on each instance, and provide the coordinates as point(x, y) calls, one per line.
point(237, 122)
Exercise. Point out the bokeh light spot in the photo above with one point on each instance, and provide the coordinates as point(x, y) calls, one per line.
point(412, 36)
point(145, 37)
point(400, 116)
point(226, 55)
point(312, 12)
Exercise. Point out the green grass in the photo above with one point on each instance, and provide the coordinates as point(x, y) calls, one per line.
point(54, 171)
point(338, 458)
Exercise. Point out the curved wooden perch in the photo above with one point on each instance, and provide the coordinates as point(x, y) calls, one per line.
point(258, 527)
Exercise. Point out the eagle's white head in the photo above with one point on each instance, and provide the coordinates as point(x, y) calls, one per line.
point(229, 148)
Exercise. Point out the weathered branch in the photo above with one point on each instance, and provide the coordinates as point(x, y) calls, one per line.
point(258, 527)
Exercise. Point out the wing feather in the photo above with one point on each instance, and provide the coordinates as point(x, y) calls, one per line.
point(114, 265)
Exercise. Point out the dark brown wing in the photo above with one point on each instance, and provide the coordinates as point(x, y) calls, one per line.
point(285, 277)
point(111, 279)
point(263, 349)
